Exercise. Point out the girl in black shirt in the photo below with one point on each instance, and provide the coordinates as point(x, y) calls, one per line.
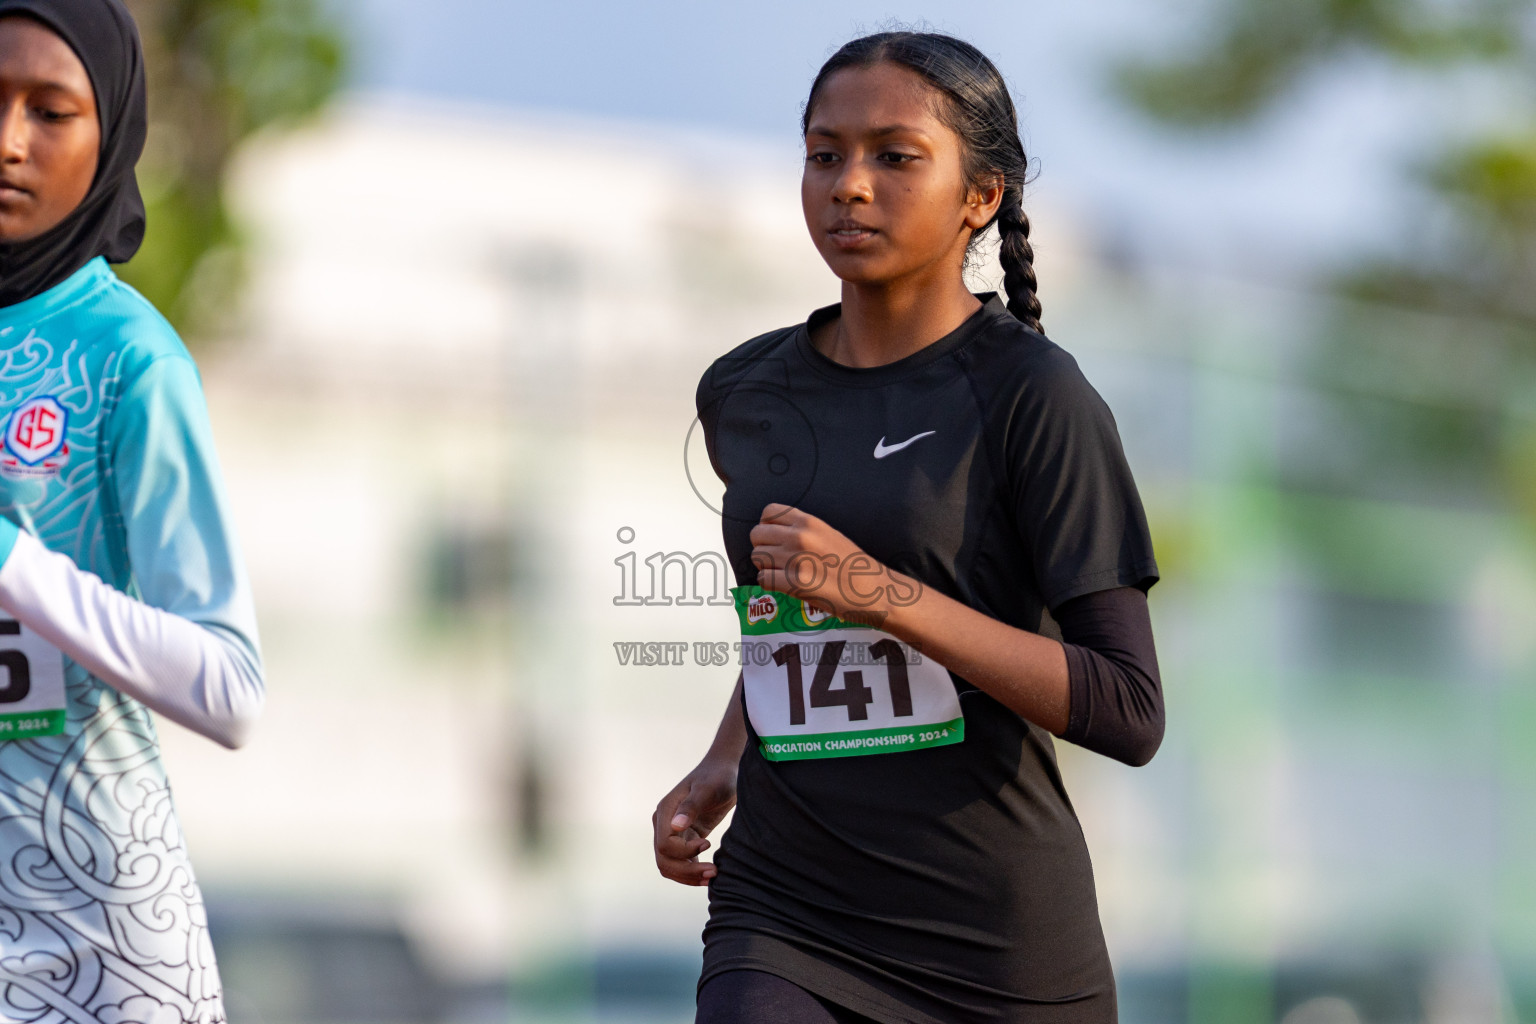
point(942, 562)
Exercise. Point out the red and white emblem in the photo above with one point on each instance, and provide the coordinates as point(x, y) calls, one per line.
point(762, 608)
point(35, 435)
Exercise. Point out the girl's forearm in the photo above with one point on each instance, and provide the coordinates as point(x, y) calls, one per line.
point(194, 674)
point(1024, 671)
point(731, 738)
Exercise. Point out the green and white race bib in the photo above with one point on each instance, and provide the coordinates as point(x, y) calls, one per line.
point(817, 686)
point(31, 684)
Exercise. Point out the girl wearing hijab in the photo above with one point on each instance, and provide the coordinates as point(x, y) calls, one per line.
point(121, 589)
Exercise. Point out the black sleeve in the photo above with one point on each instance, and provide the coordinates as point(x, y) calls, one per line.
point(1073, 496)
point(706, 402)
point(1117, 697)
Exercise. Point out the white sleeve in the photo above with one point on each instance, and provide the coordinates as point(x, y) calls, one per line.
point(192, 673)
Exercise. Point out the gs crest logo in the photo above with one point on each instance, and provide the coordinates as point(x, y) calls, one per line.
point(35, 444)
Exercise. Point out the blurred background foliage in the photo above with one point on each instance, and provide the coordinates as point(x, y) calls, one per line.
point(219, 71)
point(1466, 255)
point(1474, 249)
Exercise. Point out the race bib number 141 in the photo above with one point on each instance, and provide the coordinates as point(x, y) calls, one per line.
point(817, 686)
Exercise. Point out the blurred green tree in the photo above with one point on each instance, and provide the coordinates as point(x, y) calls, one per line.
point(1464, 429)
point(1479, 255)
point(219, 71)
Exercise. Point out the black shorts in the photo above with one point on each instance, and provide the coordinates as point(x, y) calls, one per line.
point(756, 997)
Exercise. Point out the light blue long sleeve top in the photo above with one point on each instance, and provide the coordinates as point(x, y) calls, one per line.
point(118, 564)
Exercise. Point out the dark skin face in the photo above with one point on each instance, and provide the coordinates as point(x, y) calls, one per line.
point(889, 208)
point(50, 136)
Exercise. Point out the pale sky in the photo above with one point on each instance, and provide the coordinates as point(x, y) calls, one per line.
point(1315, 178)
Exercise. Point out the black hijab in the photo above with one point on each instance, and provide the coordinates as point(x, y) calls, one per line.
point(110, 219)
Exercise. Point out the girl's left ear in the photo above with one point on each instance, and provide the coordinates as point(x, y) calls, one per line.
point(982, 202)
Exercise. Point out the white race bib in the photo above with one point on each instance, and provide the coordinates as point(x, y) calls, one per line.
point(817, 686)
point(31, 684)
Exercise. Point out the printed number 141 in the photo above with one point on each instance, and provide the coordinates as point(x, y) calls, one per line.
point(853, 694)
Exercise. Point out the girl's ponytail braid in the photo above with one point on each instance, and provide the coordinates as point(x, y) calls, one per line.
point(1018, 259)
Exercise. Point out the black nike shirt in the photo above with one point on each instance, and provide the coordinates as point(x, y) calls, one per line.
point(950, 883)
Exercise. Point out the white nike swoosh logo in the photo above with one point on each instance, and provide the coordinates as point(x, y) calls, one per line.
point(882, 449)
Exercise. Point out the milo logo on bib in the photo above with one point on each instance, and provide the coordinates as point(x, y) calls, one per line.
point(762, 608)
point(817, 686)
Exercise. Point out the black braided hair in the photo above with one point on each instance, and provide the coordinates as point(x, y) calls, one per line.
point(1018, 259)
point(979, 110)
